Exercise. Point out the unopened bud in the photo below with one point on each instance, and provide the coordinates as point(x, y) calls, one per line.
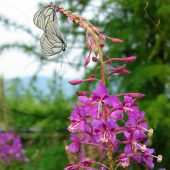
point(135, 95)
point(87, 61)
point(96, 29)
point(84, 25)
point(88, 42)
point(119, 69)
point(108, 60)
point(116, 40)
point(91, 76)
point(92, 45)
point(75, 82)
point(95, 59)
point(75, 20)
point(101, 45)
point(102, 37)
point(129, 59)
point(125, 72)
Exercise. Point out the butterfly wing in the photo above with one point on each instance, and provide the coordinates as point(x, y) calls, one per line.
point(52, 41)
point(50, 47)
point(45, 15)
point(54, 35)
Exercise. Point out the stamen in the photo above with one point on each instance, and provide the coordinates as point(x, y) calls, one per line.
point(103, 137)
point(125, 164)
point(142, 147)
point(126, 108)
point(150, 131)
point(159, 157)
point(73, 127)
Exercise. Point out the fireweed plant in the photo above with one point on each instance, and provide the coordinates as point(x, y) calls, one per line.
point(11, 148)
point(112, 124)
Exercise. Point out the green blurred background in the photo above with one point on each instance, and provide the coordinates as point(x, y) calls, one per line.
point(37, 108)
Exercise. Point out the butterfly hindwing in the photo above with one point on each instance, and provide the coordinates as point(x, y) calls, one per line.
point(49, 48)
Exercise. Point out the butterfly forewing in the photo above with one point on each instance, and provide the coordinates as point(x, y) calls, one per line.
point(45, 15)
point(39, 19)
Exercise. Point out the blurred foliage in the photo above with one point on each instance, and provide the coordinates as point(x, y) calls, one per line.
point(42, 119)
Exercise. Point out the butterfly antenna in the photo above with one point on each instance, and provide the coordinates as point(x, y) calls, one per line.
point(67, 59)
point(62, 60)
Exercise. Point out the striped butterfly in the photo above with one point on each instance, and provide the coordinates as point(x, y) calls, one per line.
point(52, 41)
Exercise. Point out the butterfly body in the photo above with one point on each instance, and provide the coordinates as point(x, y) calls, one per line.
point(52, 41)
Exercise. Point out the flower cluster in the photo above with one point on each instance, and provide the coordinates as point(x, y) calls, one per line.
point(111, 123)
point(114, 127)
point(94, 37)
point(11, 148)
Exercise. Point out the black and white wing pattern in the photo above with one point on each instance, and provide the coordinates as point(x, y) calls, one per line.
point(45, 15)
point(51, 46)
point(52, 41)
point(49, 49)
point(55, 35)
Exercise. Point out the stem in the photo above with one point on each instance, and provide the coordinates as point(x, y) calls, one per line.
point(102, 63)
point(98, 163)
point(110, 157)
point(93, 144)
point(78, 19)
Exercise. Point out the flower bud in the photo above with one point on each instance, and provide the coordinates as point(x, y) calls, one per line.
point(119, 69)
point(88, 43)
point(92, 45)
point(116, 40)
point(95, 59)
point(102, 37)
point(108, 60)
point(129, 59)
point(91, 76)
point(75, 82)
point(96, 29)
point(101, 45)
point(125, 72)
point(135, 95)
point(84, 25)
point(87, 61)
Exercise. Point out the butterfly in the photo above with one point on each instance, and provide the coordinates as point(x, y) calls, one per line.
point(52, 41)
